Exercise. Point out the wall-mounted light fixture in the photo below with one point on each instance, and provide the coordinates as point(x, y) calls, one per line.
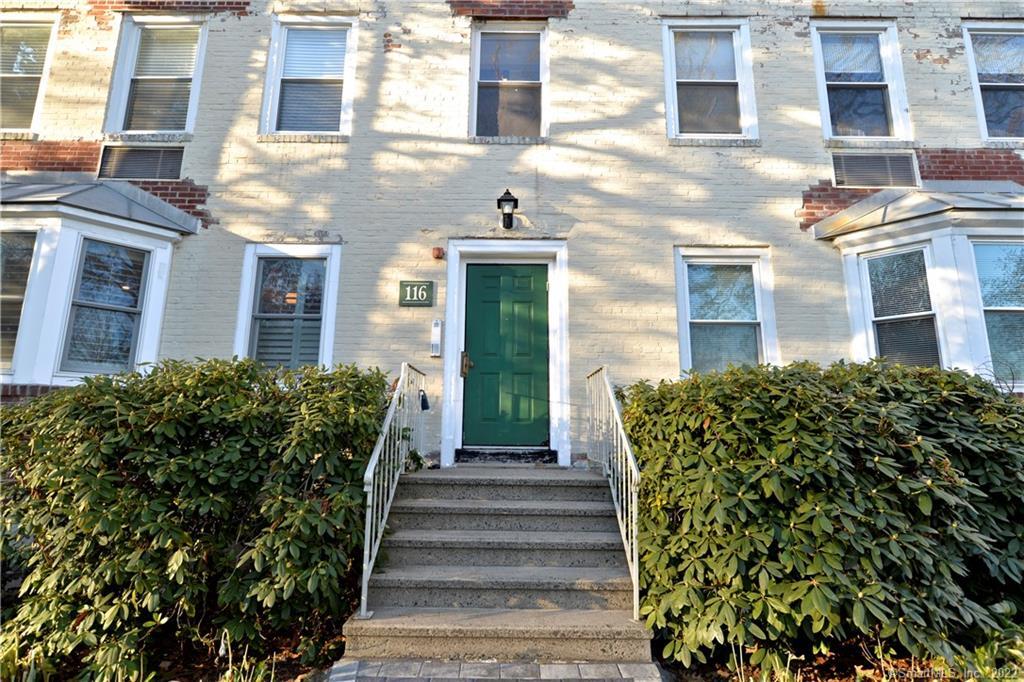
point(507, 204)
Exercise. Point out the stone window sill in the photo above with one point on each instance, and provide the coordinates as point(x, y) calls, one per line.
point(713, 142)
point(508, 140)
point(172, 138)
point(855, 143)
point(304, 138)
point(18, 135)
point(1004, 144)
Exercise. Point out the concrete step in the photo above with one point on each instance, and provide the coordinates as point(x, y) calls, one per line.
point(501, 587)
point(541, 635)
point(502, 548)
point(452, 514)
point(504, 483)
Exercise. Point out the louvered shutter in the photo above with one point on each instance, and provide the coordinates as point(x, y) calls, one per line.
point(161, 86)
point(312, 80)
point(874, 170)
point(22, 56)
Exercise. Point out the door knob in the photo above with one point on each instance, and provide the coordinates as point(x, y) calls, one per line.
point(467, 364)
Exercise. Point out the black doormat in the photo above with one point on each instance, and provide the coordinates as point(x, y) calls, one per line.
point(539, 456)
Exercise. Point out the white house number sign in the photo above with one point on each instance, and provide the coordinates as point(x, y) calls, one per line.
point(415, 294)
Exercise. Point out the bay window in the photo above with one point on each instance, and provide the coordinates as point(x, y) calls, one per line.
point(901, 308)
point(15, 262)
point(1000, 268)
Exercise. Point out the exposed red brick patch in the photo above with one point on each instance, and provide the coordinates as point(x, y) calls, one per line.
point(73, 156)
point(49, 155)
point(103, 11)
point(512, 9)
point(183, 194)
point(822, 200)
point(16, 393)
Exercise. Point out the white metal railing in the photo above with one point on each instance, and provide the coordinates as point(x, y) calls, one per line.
point(399, 434)
point(609, 447)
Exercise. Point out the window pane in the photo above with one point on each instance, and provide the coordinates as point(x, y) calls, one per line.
point(999, 57)
point(314, 53)
point(111, 275)
point(291, 286)
point(721, 292)
point(508, 111)
point(17, 101)
point(23, 49)
point(1006, 342)
point(287, 342)
point(99, 340)
point(510, 56)
point(309, 105)
point(708, 108)
point(859, 110)
point(157, 105)
point(15, 262)
point(715, 346)
point(908, 342)
point(852, 57)
point(705, 55)
point(1001, 275)
point(167, 52)
point(899, 284)
point(1004, 111)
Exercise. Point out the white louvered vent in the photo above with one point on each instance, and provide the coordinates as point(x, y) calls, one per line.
point(874, 170)
point(141, 163)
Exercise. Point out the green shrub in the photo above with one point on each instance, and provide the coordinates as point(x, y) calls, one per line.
point(160, 511)
point(787, 509)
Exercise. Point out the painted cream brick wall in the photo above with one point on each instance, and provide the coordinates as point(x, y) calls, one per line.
point(608, 181)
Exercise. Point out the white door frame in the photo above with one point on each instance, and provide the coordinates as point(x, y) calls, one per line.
point(555, 253)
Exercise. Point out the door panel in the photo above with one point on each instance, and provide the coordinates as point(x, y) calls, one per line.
point(505, 393)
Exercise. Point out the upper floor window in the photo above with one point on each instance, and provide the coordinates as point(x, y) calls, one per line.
point(709, 82)
point(726, 314)
point(156, 81)
point(309, 78)
point(23, 49)
point(997, 58)
point(509, 76)
point(860, 81)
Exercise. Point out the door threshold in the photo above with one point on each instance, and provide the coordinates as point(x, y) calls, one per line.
point(505, 455)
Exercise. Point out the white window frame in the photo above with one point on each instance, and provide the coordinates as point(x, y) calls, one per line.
point(742, 52)
point(892, 64)
point(28, 19)
point(759, 258)
point(539, 28)
point(953, 287)
point(56, 259)
point(247, 292)
point(275, 69)
point(979, 105)
point(124, 69)
point(866, 300)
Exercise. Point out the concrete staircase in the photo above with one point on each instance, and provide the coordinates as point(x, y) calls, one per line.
point(501, 562)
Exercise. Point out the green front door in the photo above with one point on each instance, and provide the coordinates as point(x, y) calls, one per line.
point(505, 395)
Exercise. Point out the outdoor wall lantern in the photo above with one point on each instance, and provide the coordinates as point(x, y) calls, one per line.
point(507, 204)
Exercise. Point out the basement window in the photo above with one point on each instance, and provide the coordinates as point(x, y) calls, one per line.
point(510, 73)
point(141, 163)
point(156, 81)
point(309, 76)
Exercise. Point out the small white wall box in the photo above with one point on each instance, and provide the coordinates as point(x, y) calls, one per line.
point(435, 339)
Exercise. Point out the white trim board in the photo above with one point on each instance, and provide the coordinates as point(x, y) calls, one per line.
point(556, 255)
point(247, 292)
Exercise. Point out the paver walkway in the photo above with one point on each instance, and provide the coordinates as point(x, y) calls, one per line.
point(347, 670)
